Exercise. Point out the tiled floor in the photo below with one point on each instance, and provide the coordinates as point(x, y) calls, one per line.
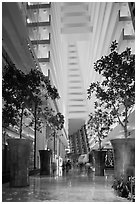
point(73, 187)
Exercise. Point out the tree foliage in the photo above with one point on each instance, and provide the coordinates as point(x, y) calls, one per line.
point(116, 91)
point(56, 122)
point(14, 95)
point(26, 91)
point(99, 123)
point(40, 90)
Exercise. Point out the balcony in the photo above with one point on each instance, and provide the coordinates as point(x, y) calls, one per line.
point(44, 59)
point(38, 6)
point(124, 18)
point(127, 36)
point(35, 24)
point(41, 42)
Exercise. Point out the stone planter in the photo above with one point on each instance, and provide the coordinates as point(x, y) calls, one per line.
point(19, 151)
point(45, 162)
point(124, 157)
point(99, 157)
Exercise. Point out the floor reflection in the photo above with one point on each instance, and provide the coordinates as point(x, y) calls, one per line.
point(71, 187)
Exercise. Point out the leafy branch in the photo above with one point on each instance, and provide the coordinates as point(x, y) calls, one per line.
point(116, 92)
point(99, 123)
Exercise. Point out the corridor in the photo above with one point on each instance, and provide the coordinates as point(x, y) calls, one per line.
point(73, 187)
point(68, 94)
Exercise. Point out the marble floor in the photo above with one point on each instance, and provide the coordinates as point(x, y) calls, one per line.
point(72, 187)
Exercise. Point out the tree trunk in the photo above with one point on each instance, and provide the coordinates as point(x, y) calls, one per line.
point(21, 119)
point(54, 143)
point(126, 132)
point(35, 134)
point(126, 121)
point(99, 143)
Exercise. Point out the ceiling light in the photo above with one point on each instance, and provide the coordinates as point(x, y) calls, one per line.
point(28, 20)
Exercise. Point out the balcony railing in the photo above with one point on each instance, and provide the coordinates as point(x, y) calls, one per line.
point(44, 59)
point(38, 6)
point(35, 24)
point(46, 41)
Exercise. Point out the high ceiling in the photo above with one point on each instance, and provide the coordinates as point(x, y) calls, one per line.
point(76, 30)
point(81, 32)
point(87, 30)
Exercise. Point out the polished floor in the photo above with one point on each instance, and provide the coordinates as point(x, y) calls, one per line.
point(72, 187)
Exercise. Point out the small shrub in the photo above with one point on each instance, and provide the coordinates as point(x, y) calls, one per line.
point(125, 187)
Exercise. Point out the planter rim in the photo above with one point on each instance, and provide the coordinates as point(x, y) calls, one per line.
point(19, 141)
point(13, 138)
point(97, 150)
point(129, 138)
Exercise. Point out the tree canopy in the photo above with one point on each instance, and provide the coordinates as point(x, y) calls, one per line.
point(100, 124)
point(20, 91)
point(116, 91)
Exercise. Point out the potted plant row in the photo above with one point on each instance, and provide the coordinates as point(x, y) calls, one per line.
point(116, 95)
point(55, 122)
point(23, 92)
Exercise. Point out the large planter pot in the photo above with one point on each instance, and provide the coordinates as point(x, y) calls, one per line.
point(45, 162)
point(19, 151)
point(99, 157)
point(124, 157)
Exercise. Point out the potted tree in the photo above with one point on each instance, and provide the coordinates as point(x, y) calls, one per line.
point(40, 90)
point(56, 123)
point(14, 105)
point(116, 93)
point(99, 123)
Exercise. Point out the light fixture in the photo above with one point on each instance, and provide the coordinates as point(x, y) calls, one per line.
point(28, 20)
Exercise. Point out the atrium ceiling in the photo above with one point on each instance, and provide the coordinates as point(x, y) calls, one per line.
point(81, 32)
point(87, 30)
